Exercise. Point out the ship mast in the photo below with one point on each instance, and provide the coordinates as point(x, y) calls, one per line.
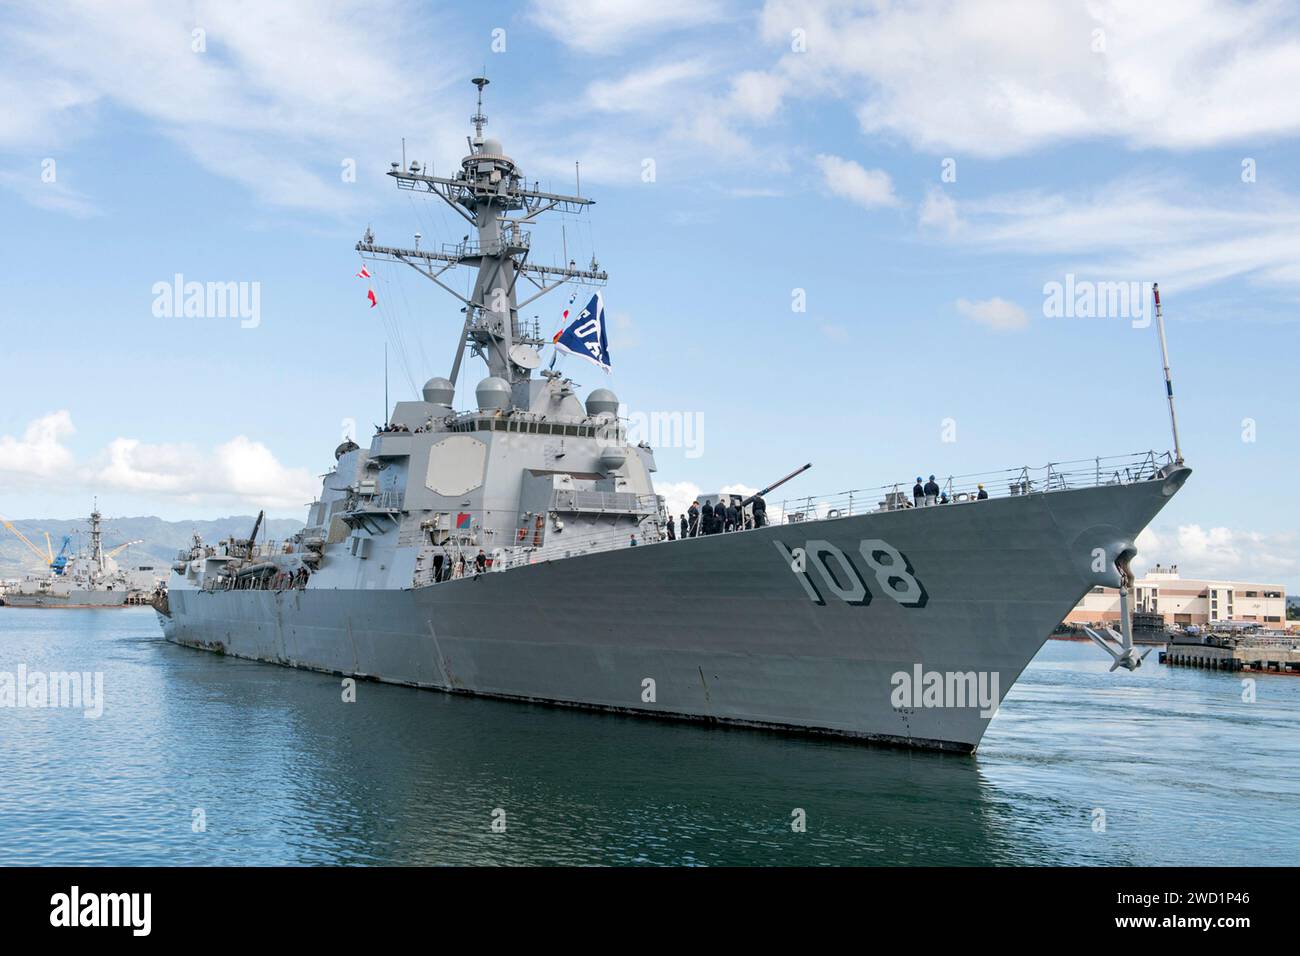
point(96, 542)
point(486, 191)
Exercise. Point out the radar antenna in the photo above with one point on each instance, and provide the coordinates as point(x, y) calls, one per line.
point(485, 191)
point(478, 119)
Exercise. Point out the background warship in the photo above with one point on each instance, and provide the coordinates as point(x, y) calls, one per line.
point(490, 551)
point(88, 578)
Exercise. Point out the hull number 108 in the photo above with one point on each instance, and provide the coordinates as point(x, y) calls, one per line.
point(822, 568)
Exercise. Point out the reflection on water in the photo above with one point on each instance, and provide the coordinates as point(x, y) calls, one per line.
point(284, 772)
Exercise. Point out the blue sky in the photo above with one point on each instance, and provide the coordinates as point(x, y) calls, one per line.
point(796, 145)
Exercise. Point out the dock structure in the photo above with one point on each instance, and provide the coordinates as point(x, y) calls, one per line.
point(1260, 654)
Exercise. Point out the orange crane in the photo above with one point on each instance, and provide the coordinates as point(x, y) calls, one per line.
point(45, 559)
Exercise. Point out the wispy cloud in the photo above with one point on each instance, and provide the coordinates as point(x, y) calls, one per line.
point(868, 188)
point(1154, 228)
point(609, 26)
point(1001, 77)
point(54, 195)
point(649, 89)
point(274, 96)
point(997, 314)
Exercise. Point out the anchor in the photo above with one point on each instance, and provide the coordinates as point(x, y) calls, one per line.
point(1127, 655)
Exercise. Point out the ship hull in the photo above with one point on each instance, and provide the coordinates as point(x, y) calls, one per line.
point(724, 628)
point(71, 599)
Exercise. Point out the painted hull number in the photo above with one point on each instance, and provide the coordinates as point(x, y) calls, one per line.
point(822, 569)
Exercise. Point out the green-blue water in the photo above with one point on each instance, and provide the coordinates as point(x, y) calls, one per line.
point(285, 772)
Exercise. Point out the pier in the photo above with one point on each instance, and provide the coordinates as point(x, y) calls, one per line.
point(1279, 655)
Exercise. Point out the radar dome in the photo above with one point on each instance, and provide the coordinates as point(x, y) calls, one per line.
point(612, 457)
point(600, 401)
point(493, 146)
point(439, 391)
point(493, 394)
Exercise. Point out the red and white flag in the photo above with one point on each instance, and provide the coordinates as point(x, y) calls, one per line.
point(370, 294)
point(364, 273)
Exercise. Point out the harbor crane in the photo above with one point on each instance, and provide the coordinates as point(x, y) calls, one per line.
point(46, 558)
point(122, 547)
point(59, 562)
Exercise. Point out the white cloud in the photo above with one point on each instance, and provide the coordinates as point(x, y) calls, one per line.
point(55, 196)
point(40, 452)
point(1223, 553)
point(998, 314)
point(626, 334)
point(868, 188)
point(939, 211)
point(649, 89)
point(240, 471)
point(282, 94)
point(607, 26)
point(1141, 229)
point(756, 95)
point(1000, 77)
point(677, 495)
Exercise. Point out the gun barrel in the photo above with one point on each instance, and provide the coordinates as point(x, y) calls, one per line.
point(252, 538)
point(776, 484)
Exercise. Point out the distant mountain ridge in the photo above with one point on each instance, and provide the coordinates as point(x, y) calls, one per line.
point(162, 539)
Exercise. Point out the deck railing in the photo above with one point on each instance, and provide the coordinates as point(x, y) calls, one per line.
point(958, 489)
point(566, 544)
point(1009, 482)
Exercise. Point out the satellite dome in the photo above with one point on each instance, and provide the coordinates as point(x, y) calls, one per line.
point(493, 394)
point(439, 391)
point(493, 146)
point(600, 401)
point(612, 457)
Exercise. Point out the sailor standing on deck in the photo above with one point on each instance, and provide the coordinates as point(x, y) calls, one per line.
point(918, 493)
point(931, 492)
point(694, 512)
point(684, 527)
point(706, 519)
point(672, 532)
point(760, 511)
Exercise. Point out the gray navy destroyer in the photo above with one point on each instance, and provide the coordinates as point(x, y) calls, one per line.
point(88, 579)
point(516, 550)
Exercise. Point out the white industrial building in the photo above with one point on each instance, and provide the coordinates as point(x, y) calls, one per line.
point(1182, 601)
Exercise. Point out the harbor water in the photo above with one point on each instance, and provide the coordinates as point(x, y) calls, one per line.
point(205, 760)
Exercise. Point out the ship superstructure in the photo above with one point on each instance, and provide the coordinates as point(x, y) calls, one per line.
point(516, 549)
point(89, 578)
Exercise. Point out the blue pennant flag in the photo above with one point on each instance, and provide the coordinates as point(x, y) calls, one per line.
point(585, 335)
